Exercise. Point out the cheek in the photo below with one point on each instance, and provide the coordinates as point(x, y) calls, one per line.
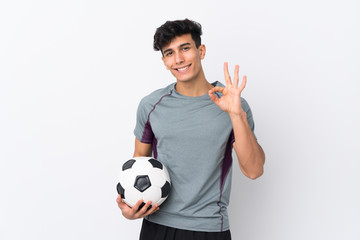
point(196, 61)
point(196, 58)
point(167, 65)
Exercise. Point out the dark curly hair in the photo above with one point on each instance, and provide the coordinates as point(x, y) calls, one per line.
point(171, 29)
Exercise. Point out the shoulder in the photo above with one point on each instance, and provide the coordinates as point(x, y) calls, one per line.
point(246, 107)
point(218, 84)
point(244, 104)
point(151, 99)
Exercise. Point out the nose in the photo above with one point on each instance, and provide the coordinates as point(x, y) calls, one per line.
point(179, 58)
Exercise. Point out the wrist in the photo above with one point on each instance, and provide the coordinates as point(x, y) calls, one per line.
point(236, 116)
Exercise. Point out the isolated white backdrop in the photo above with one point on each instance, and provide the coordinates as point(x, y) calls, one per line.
point(73, 72)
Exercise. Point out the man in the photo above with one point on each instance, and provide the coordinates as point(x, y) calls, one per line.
point(191, 126)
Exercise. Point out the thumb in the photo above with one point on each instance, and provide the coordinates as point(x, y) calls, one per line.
point(120, 203)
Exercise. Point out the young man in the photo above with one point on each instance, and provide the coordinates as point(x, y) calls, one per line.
point(191, 126)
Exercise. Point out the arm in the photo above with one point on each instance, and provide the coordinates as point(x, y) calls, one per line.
point(250, 155)
point(141, 150)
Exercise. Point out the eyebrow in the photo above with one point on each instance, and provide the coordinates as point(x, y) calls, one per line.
point(181, 45)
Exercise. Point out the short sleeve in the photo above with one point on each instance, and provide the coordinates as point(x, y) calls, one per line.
point(143, 130)
point(245, 106)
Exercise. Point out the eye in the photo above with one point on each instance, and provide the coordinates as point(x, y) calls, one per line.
point(168, 54)
point(185, 48)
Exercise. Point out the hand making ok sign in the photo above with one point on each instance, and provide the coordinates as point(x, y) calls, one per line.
point(230, 101)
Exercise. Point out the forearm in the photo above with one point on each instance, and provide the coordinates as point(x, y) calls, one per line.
point(250, 155)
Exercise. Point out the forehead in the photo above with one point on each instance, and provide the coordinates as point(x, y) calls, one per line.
point(178, 40)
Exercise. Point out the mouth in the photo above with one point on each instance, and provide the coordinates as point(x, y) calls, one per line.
point(183, 69)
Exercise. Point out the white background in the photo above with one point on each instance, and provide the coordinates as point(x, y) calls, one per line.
point(73, 72)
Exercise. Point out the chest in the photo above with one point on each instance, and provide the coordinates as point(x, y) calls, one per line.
point(179, 121)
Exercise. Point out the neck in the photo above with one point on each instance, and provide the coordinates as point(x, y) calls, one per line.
point(195, 87)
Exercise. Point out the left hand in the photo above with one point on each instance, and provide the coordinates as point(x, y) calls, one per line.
point(230, 101)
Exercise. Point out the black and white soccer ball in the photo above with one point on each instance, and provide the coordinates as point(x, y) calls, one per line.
point(143, 178)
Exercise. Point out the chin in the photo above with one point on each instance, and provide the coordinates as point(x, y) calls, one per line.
point(185, 78)
point(182, 78)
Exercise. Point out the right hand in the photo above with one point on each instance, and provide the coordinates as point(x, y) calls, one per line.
point(134, 212)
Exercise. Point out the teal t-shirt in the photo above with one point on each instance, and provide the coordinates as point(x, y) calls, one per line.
point(193, 137)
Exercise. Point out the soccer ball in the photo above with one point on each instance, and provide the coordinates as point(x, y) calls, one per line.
point(143, 178)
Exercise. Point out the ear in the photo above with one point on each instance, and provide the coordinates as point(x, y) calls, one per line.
point(202, 51)
point(163, 59)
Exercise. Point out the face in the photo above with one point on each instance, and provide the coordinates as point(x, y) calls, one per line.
point(183, 58)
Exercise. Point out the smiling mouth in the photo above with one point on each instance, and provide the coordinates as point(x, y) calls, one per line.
point(183, 69)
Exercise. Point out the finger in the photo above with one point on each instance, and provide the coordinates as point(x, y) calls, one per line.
point(143, 210)
point(213, 97)
point(236, 76)
point(227, 75)
point(153, 209)
point(243, 83)
point(120, 203)
point(135, 208)
point(217, 89)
